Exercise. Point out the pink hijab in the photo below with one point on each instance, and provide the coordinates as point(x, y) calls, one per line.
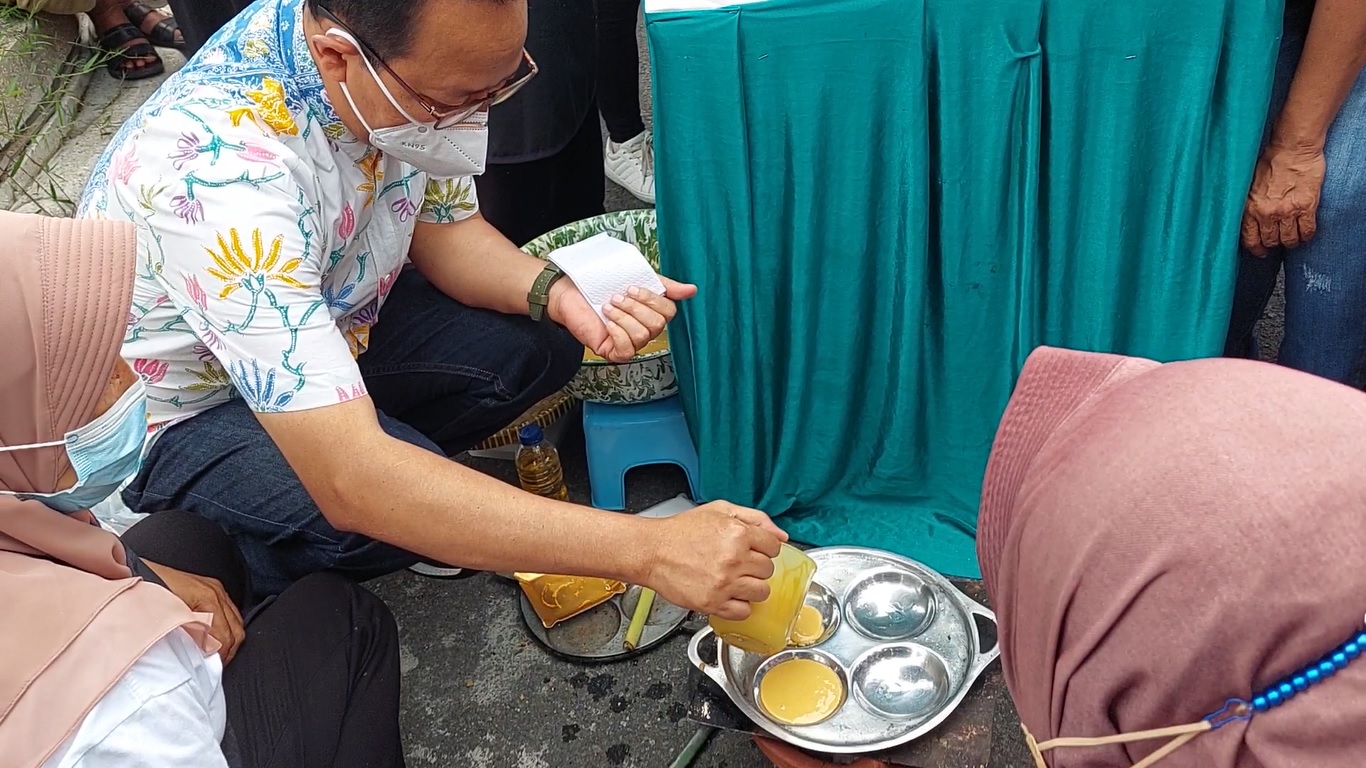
point(73, 618)
point(1158, 539)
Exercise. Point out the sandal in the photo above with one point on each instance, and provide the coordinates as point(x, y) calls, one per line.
point(163, 33)
point(124, 54)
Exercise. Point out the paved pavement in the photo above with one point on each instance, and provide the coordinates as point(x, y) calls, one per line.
point(478, 690)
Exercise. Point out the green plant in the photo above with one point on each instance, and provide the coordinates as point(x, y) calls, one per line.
point(35, 106)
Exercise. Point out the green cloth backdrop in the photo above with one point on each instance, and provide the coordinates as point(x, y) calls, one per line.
point(889, 203)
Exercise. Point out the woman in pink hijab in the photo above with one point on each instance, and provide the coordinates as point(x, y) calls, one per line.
point(110, 660)
point(1179, 570)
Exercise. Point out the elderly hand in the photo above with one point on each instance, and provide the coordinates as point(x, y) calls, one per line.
point(1282, 204)
point(633, 320)
point(205, 595)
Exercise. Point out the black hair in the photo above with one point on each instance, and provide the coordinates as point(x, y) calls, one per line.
point(387, 26)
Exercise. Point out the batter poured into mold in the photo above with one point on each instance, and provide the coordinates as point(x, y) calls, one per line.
point(808, 628)
point(800, 692)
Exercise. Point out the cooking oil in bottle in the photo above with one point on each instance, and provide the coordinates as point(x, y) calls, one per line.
point(538, 464)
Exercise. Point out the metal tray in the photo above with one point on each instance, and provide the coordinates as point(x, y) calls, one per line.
point(901, 638)
point(597, 634)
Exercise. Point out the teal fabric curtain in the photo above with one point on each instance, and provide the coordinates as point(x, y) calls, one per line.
point(889, 203)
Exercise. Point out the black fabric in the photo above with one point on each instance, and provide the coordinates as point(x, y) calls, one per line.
point(199, 19)
point(192, 544)
point(526, 200)
point(315, 684)
point(545, 116)
point(619, 69)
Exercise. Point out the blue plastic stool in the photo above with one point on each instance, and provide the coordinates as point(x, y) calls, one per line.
point(619, 438)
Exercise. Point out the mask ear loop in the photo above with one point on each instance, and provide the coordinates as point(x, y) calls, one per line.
point(384, 89)
point(1179, 734)
point(53, 444)
point(1233, 711)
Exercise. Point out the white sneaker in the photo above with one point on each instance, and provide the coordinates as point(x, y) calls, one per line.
point(435, 571)
point(631, 165)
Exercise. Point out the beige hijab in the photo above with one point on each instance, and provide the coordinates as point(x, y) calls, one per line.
point(1158, 539)
point(73, 619)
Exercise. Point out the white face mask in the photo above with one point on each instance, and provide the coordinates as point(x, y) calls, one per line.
point(459, 150)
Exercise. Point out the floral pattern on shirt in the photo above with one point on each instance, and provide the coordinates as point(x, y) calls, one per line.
point(269, 236)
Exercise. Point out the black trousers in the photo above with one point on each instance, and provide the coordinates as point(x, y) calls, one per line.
point(315, 684)
point(619, 68)
point(527, 200)
point(199, 19)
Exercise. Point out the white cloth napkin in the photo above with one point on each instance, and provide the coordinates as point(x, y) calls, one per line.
point(603, 266)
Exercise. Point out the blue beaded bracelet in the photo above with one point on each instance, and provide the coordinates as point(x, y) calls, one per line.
point(1235, 710)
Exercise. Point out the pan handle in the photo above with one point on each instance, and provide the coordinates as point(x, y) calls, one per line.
point(695, 656)
point(983, 658)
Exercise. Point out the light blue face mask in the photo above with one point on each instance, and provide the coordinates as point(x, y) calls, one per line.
point(104, 453)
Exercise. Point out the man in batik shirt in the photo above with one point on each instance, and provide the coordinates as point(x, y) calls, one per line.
point(321, 315)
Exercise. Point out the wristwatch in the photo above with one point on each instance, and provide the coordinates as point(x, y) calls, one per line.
point(538, 299)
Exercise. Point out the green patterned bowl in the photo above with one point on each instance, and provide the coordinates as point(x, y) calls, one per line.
point(650, 374)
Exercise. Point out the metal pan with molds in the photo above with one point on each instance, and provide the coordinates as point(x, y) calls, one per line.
point(905, 642)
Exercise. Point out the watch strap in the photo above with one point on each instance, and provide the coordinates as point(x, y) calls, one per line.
point(538, 298)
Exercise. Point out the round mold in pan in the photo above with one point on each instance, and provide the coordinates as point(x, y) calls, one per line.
point(890, 605)
point(902, 681)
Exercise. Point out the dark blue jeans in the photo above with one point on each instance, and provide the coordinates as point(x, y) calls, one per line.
point(443, 376)
point(1325, 279)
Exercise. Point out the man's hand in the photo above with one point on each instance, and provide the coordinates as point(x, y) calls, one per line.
point(715, 559)
point(205, 595)
point(634, 320)
point(1282, 205)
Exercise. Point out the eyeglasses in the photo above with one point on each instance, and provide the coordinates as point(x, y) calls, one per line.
point(443, 117)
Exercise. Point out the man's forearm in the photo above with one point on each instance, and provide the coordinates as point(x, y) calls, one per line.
point(474, 264)
point(422, 502)
point(1334, 54)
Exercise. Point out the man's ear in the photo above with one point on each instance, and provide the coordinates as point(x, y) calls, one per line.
point(330, 51)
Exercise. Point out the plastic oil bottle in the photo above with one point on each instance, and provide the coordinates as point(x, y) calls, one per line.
point(538, 464)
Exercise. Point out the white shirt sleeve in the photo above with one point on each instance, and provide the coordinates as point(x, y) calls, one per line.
point(166, 711)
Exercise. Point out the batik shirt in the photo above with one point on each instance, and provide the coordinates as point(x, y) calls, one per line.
point(268, 234)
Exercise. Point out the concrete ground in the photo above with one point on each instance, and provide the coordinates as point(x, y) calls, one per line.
point(479, 692)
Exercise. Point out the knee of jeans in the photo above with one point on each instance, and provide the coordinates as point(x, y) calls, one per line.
point(549, 359)
point(565, 355)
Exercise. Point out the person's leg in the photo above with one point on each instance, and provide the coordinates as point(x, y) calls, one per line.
point(1256, 284)
point(1257, 276)
point(457, 374)
point(222, 466)
point(192, 544)
point(619, 69)
point(1325, 279)
point(131, 55)
point(200, 19)
point(316, 682)
point(54, 7)
point(160, 27)
point(582, 189)
point(629, 158)
point(514, 198)
point(526, 200)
